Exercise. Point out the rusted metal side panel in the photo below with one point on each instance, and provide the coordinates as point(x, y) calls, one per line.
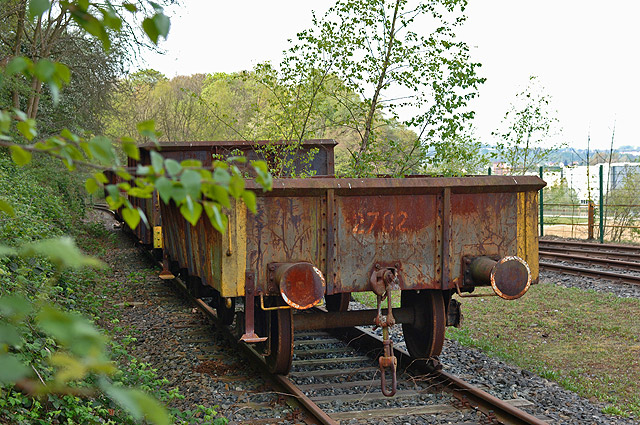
point(181, 238)
point(169, 232)
point(481, 224)
point(386, 230)
point(210, 248)
point(175, 234)
point(235, 256)
point(188, 247)
point(199, 248)
point(203, 154)
point(285, 229)
point(528, 231)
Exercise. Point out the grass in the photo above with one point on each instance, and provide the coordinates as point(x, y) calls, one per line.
point(588, 342)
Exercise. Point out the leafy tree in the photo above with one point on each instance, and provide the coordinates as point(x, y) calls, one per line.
point(560, 194)
point(58, 34)
point(80, 349)
point(133, 103)
point(528, 129)
point(461, 154)
point(369, 46)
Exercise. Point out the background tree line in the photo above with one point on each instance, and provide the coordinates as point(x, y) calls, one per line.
point(242, 106)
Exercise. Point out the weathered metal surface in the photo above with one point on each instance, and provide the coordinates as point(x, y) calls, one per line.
point(528, 231)
point(302, 285)
point(482, 225)
point(250, 335)
point(157, 237)
point(198, 249)
point(509, 277)
point(346, 319)
point(411, 185)
point(347, 226)
point(347, 230)
point(285, 229)
point(321, 163)
point(385, 230)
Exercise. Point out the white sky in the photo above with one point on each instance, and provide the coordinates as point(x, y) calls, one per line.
point(584, 52)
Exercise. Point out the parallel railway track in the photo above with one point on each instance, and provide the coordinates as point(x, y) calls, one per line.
point(617, 259)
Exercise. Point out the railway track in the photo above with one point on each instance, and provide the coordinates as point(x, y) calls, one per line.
point(618, 260)
point(353, 371)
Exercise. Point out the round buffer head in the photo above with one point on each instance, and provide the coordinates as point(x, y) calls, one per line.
point(302, 285)
point(511, 277)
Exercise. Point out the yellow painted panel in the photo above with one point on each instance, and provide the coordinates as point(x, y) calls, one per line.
point(528, 230)
point(234, 252)
point(157, 237)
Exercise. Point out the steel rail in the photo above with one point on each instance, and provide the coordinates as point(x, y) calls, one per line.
point(624, 256)
point(103, 208)
point(598, 274)
point(589, 260)
point(486, 403)
point(314, 411)
point(592, 245)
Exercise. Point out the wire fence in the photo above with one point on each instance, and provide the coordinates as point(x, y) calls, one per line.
point(600, 202)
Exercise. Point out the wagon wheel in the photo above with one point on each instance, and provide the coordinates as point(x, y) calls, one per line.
point(424, 337)
point(224, 313)
point(280, 342)
point(338, 302)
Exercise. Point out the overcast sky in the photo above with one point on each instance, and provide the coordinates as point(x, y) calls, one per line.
point(584, 52)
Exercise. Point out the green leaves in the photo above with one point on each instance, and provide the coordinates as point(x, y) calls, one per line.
point(218, 220)
point(131, 216)
point(7, 208)
point(62, 252)
point(102, 150)
point(190, 180)
point(164, 187)
point(263, 177)
point(19, 155)
point(18, 65)
point(156, 26)
point(27, 128)
point(249, 199)
point(191, 210)
point(72, 330)
point(157, 162)
point(130, 148)
point(91, 185)
point(12, 369)
point(137, 403)
point(38, 7)
point(14, 307)
point(173, 167)
point(147, 129)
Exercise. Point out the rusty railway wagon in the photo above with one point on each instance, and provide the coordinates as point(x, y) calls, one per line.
point(422, 239)
point(205, 152)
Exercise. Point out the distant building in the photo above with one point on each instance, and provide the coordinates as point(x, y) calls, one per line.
point(612, 175)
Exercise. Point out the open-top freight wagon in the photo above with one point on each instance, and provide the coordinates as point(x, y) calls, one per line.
point(321, 162)
point(421, 238)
